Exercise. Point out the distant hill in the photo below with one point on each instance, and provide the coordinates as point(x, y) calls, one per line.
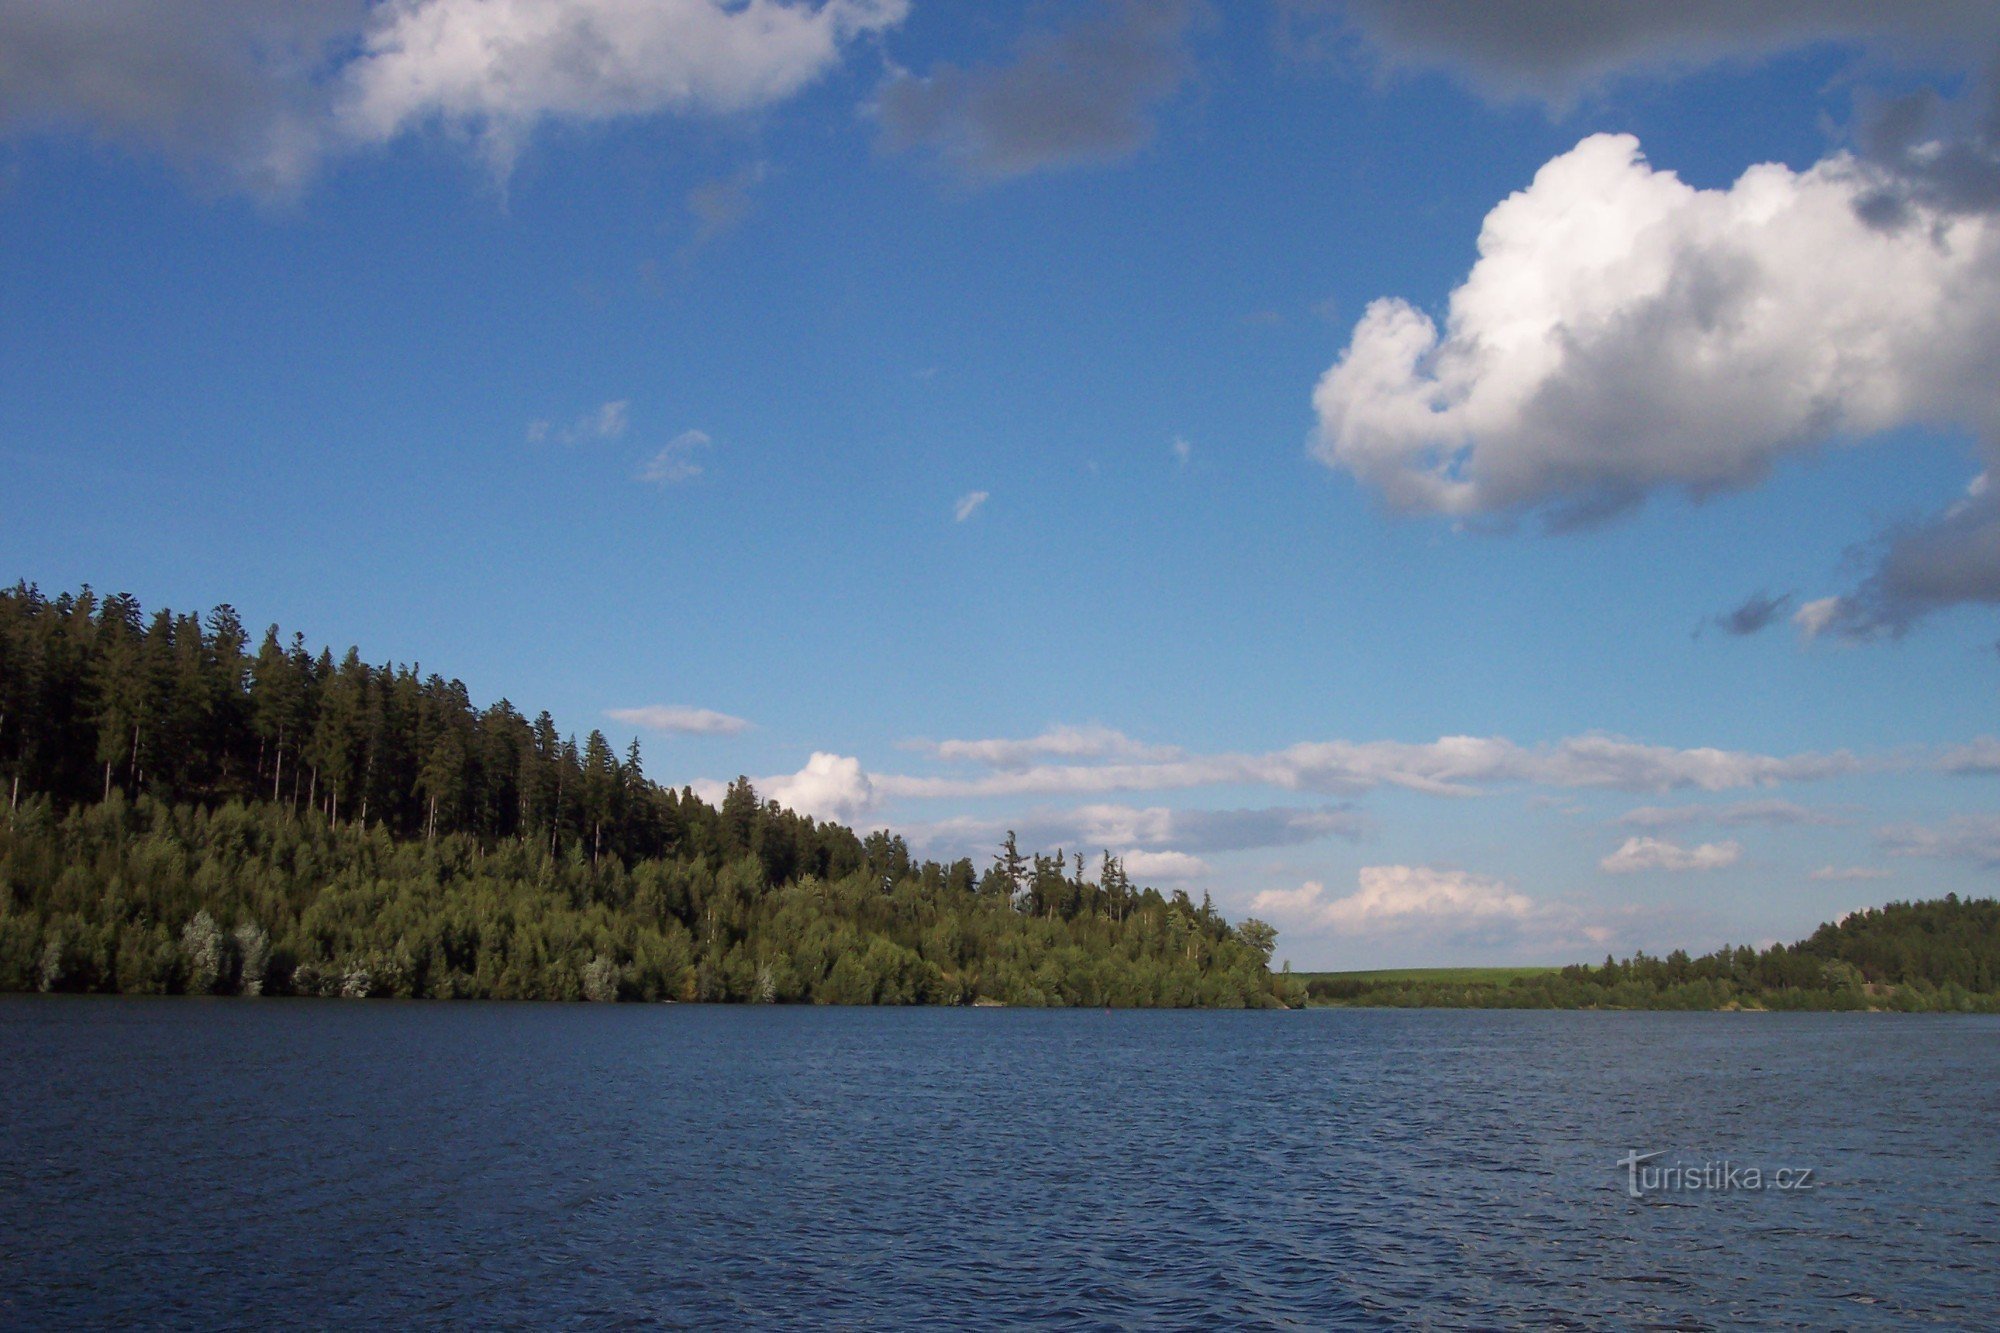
point(1940, 955)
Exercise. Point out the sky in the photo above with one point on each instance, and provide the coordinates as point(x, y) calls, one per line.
point(1470, 482)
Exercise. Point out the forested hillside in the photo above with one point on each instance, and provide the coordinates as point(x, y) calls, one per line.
point(186, 814)
point(1926, 956)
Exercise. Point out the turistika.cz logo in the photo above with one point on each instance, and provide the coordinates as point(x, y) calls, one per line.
point(1723, 1177)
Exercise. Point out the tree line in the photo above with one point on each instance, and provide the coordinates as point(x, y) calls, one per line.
point(187, 815)
point(1939, 955)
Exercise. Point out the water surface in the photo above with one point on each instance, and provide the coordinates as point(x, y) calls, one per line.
point(232, 1163)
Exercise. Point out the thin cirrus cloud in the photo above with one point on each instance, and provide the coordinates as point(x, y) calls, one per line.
point(679, 720)
point(1080, 95)
point(967, 505)
point(1624, 333)
point(270, 88)
point(1640, 854)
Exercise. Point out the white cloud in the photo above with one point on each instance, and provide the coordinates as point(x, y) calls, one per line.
point(1450, 766)
point(1847, 874)
point(1979, 756)
point(496, 68)
point(678, 719)
point(1817, 616)
point(1961, 838)
point(607, 422)
point(1642, 853)
point(967, 505)
point(1397, 896)
point(1737, 812)
point(1183, 450)
point(1131, 829)
point(1145, 867)
point(830, 786)
point(675, 462)
point(1060, 742)
point(1623, 332)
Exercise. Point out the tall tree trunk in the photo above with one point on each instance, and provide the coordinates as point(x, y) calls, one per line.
point(278, 768)
point(107, 779)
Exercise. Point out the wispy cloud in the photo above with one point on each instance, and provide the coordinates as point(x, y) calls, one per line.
point(1774, 813)
point(967, 505)
point(607, 422)
point(1850, 874)
point(679, 719)
point(1450, 766)
point(1973, 838)
point(677, 461)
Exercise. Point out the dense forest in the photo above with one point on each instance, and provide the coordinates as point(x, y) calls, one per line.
point(184, 813)
point(1942, 955)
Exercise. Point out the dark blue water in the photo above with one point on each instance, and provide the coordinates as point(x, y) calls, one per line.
point(227, 1163)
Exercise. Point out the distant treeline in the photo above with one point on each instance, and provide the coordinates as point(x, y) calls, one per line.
point(1942, 955)
point(182, 814)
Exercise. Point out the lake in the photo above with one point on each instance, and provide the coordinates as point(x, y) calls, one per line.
point(231, 1163)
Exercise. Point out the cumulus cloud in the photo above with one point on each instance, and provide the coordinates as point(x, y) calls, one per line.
point(1081, 95)
point(1645, 853)
point(678, 460)
point(1961, 838)
point(1554, 50)
point(967, 505)
point(678, 719)
point(1624, 333)
point(1737, 812)
point(1450, 766)
point(1980, 756)
point(270, 87)
point(1757, 612)
point(1850, 874)
point(830, 786)
point(1406, 899)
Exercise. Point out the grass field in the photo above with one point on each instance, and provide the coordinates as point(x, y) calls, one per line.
point(1443, 976)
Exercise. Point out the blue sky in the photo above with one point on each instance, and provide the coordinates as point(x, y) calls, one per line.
point(960, 421)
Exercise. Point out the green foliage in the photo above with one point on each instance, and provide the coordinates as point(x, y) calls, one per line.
point(1942, 955)
point(178, 816)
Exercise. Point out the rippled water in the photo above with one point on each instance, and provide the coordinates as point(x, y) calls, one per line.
point(348, 1163)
